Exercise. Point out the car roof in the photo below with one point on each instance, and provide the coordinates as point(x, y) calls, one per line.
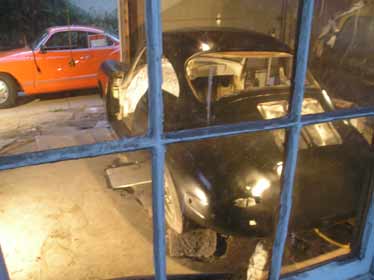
point(184, 43)
point(54, 29)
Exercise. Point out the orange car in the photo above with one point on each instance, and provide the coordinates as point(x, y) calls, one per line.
point(61, 58)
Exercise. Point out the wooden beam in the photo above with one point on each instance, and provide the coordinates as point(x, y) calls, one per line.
point(124, 30)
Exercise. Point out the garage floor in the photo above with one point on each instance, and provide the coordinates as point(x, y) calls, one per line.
point(57, 223)
point(53, 122)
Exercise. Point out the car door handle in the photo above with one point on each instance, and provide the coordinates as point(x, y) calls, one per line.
point(85, 57)
point(72, 63)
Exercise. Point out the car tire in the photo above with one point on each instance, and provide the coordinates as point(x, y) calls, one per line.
point(8, 91)
point(173, 211)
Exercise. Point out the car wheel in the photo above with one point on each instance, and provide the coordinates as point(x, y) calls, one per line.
point(173, 210)
point(8, 91)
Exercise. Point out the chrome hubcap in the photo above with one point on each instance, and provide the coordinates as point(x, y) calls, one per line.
point(4, 92)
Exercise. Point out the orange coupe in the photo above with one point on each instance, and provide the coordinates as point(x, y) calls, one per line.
point(60, 59)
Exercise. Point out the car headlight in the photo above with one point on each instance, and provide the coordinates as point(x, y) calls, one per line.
point(261, 185)
point(279, 168)
point(245, 202)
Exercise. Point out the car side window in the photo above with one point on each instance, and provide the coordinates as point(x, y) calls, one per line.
point(60, 41)
point(67, 40)
point(82, 40)
point(99, 40)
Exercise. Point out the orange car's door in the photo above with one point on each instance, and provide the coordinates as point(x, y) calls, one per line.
point(99, 48)
point(56, 63)
point(103, 48)
point(91, 51)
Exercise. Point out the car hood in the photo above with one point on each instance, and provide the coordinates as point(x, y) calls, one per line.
point(14, 54)
point(330, 176)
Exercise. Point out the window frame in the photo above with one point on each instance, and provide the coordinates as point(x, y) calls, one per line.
point(156, 140)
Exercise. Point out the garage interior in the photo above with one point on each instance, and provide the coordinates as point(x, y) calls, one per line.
point(67, 220)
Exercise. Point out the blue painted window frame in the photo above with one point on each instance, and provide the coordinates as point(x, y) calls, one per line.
point(156, 140)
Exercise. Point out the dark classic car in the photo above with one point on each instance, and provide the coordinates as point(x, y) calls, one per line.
point(232, 184)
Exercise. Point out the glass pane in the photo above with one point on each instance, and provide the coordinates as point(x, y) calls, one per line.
point(341, 58)
point(331, 192)
point(83, 219)
point(211, 75)
point(227, 60)
point(228, 193)
point(50, 82)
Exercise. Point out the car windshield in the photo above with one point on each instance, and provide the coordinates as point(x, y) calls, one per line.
point(36, 43)
point(213, 76)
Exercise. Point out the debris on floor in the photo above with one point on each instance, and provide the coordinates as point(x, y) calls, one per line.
point(257, 267)
point(50, 124)
point(6, 142)
point(130, 175)
point(198, 243)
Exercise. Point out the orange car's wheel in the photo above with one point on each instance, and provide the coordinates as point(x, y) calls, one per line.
point(8, 91)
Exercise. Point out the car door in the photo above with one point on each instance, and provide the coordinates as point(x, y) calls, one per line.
point(84, 68)
point(57, 67)
point(99, 47)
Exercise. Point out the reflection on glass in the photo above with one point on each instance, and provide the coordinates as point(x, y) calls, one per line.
point(228, 189)
point(341, 54)
point(330, 195)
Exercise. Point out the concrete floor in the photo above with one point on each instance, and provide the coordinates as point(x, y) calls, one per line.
point(53, 122)
point(60, 221)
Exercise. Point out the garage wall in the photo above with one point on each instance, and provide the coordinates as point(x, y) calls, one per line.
point(262, 16)
point(277, 17)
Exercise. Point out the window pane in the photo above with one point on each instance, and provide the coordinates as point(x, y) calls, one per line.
point(331, 192)
point(228, 195)
point(76, 225)
point(51, 96)
point(340, 58)
point(230, 57)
